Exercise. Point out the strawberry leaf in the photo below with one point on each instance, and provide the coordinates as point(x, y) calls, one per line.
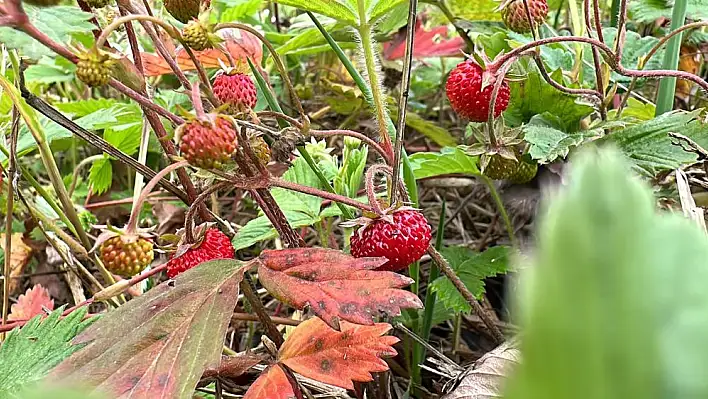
point(273, 383)
point(28, 353)
point(177, 331)
point(335, 285)
point(317, 351)
point(31, 303)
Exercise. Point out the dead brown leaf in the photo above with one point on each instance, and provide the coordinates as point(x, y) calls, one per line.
point(484, 379)
point(20, 255)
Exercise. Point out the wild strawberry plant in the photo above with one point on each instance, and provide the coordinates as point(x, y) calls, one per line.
point(206, 91)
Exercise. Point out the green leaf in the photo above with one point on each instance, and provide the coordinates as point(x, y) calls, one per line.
point(177, 330)
point(472, 269)
point(351, 174)
point(382, 8)
point(101, 176)
point(261, 229)
point(28, 353)
point(50, 71)
point(341, 10)
point(649, 146)
point(236, 10)
point(60, 23)
point(300, 209)
point(81, 108)
point(127, 140)
point(605, 314)
point(534, 96)
point(481, 10)
point(450, 160)
point(431, 130)
point(635, 111)
point(549, 143)
point(648, 11)
point(635, 47)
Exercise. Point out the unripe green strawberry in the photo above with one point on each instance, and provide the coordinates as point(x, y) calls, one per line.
point(516, 19)
point(97, 3)
point(184, 10)
point(126, 255)
point(207, 143)
point(196, 36)
point(94, 68)
point(42, 3)
point(260, 149)
point(500, 168)
point(525, 171)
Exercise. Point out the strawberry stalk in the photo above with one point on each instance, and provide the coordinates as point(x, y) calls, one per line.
point(132, 226)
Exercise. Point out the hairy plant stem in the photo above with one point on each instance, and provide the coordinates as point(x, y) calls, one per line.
point(599, 81)
point(189, 217)
point(577, 92)
point(350, 133)
point(132, 225)
point(403, 101)
point(465, 292)
point(372, 72)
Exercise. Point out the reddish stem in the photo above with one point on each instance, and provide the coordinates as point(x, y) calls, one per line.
point(324, 194)
point(373, 144)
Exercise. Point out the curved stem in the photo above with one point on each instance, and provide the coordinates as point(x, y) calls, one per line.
point(370, 189)
point(500, 207)
point(350, 133)
point(278, 63)
point(558, 86)
point(145, 102)
point(77, 170)
point(599, 81)
point(134, 17)
point(135, 213)
point(493, 99)
point(280, 115)
point(277, 182)
point(189, 217)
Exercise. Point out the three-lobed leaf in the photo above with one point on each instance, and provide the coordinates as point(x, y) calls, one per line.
point(176, 331)
point(336, 286)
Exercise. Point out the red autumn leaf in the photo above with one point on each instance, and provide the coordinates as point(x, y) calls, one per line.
point(317, 351)
point(31, 303)
point(273, 383)
point(240, 44)
point(158, 345)
point(335, 285)
point(426, 43)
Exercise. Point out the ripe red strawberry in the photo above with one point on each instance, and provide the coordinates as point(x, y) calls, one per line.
point(515, 18)
point(126, 255)
point(403, 240)
point(215, 245)
point(207, 143)
point(468, 99)
point(236, 90)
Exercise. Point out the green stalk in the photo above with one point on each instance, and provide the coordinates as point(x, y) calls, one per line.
point(500, 207)
point(667, 86)
point(427, 325)
point(372, 71)
point(273, 103)
point(614, 16)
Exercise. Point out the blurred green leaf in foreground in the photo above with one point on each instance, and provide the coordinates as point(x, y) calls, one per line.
point(615, 304)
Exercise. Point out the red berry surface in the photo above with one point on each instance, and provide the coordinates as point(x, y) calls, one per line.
point(515, 18)
point(402, 242)
point(236, 90)
point(216, 245)
point(208, 145)
point(464, 90)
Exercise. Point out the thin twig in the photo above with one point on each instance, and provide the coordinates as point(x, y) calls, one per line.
point(248, 292)
point(403, 100)
point(465, 292)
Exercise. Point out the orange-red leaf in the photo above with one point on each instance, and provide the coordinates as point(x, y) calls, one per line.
point(273, 383)
point(240, 44)
point(426, 43)
point(31, 303)
point(316, 351)
point(335, 285)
